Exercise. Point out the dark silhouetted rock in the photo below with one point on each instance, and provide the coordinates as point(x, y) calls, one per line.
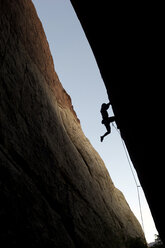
point(128, 44)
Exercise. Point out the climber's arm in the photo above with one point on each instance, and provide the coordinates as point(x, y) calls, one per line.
point(108, 104)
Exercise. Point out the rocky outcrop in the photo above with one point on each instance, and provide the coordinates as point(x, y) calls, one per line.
point(55, 190)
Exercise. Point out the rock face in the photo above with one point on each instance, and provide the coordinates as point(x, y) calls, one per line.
point(55, 190)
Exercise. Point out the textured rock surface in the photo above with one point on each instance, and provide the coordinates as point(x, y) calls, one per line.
point(54, 188)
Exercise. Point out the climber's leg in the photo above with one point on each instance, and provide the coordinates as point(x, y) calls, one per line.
point(107, 125)
point(111, 119)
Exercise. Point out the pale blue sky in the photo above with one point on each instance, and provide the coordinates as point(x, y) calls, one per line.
point(78, 72)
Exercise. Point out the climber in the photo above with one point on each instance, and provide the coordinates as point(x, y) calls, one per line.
point(106, 119)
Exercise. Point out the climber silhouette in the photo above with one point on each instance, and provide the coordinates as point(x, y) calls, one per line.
point(106, 119)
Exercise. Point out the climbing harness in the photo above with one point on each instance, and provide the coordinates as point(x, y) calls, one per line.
point(133, 174)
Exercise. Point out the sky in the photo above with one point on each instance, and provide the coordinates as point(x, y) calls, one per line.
point(79, 74)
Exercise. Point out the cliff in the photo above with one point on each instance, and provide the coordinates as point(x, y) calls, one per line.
point(55, 190)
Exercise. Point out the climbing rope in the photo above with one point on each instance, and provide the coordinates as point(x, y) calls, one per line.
point(133, 174)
